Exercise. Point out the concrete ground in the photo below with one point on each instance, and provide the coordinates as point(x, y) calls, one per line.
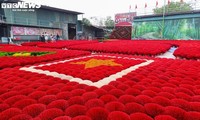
point(168, 54)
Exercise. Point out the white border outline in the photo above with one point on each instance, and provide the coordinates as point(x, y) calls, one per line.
point(98, 84)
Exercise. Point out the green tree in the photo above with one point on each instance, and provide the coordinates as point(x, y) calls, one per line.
point(100, 22)
point(86, 22)
point(109, 23)
point(173, 7)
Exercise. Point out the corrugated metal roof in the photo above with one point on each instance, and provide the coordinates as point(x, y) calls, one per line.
point(46, 7)
point(60, 10)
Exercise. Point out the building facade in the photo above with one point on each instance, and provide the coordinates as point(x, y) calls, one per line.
point(90, 32)
point(29, 24)
point(123, 26)
point(175, 26)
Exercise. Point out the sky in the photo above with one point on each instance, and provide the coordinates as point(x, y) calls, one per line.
point(103, 8)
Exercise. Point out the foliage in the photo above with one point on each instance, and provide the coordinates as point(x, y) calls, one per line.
point(109, 23)
point(101, 22)
point(18, 54)
point(173, 7)
point(86, 22)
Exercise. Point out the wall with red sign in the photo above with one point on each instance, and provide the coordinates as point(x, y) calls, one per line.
point(34, 31)
point(124, 19)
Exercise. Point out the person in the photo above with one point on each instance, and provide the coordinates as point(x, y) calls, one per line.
point(57, 37)
point(46, 36)
point(51, 37)
point(42, 37)
point(54, 38)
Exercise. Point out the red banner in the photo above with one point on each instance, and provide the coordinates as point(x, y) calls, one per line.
point(57, 31)
point(18, 30)
point(124, 19)
point(34, 31)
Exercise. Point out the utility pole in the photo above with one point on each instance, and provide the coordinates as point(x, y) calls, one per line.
point(163, 21)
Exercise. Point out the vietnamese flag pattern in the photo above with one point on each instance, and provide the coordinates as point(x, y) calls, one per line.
point(144, 88)
point(165, 89)
point(93, 70)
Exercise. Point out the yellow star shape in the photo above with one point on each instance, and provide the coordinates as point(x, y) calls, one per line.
point(97, 62)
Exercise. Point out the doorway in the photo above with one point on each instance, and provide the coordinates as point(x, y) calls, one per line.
point(72, 31)
point(4, 30)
